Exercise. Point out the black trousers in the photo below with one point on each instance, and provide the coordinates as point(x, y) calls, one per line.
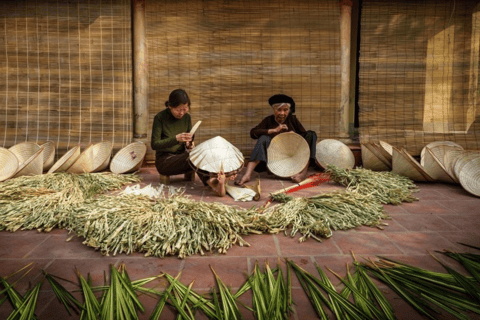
point(169, 164)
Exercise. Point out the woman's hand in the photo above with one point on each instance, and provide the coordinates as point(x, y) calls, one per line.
point(280, 128)
point(184, 137)
point(189, 145)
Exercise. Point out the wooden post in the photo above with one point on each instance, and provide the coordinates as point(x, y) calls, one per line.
point(345, 43)
point(140, 72)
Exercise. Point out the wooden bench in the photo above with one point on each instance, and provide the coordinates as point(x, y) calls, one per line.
point(189, 176)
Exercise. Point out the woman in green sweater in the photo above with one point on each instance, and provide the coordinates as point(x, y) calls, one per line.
point(172, 141)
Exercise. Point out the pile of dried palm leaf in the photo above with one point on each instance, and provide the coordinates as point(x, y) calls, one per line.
point(386, 187)
point(47, 201)
point(317, 216)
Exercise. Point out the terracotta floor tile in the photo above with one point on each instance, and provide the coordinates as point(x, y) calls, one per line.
point(432, 194)
point(290, 247)
point(470, 207)
point(337, 263)
point(365, 243)
point(56, 247)
point(426, 207)
point(231, 271)
point(391, 209)
point(467, 223)
point(469, 238)
point(412, 243)
point(9, 266)
point(392, 225)
point(425, 222)
point(259, 245)
point(20, 243)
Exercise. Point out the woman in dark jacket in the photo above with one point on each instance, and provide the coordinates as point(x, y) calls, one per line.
point(283, 119)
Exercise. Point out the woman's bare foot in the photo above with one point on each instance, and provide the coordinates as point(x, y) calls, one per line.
point(218, 184)
point(248, 173)
point(299, 177)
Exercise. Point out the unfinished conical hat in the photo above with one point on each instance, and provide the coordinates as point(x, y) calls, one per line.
point(8, 164)
point(84, 162)
point(66, 160)
point(386, 149)
point(129, 158)
point(48, 154)
point(439, 148)
point(435, 168)
point(402, 164)
point(32, 166)
point(287, 154)
point(378, 151)
point(370, 160)
point(463, 161)
point(214, 153)
point(23, 151)
point(331, 151)
point(470, 176)
point(102, 152)
point(449, 159)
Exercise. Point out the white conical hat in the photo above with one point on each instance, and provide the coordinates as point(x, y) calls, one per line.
point(370, 159)
point(439, 148)
point(331, 151)
point(212, 154)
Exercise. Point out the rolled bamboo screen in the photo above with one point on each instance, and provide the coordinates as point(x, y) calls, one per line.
point(65, 72)
point(231, 56)
point(418, 73)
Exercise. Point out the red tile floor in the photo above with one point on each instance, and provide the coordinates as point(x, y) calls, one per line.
point(444, 216)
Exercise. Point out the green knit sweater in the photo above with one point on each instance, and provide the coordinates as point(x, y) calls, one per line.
point(165, 128)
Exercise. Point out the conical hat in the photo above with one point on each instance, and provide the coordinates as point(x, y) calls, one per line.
point(439, 148)
point(84, 162)
point(331, 151)
point(66, 160)
point(23, 151)
point(470, 176)
point(102, 152)
point(405, 165)
point(386, 149)
point(449, 159)
point(463, 161)
point(287, 154)
point(216, 153)
point(435, 169)
point(370, 160)
point(129, 158)
point(381, 154)
point(8, 164)
point(48, 154)
point(32, 166)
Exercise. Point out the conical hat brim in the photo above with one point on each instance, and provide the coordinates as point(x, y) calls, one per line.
point(402, 165)
point(435, 169)
point(371, 161)
point(216, 154)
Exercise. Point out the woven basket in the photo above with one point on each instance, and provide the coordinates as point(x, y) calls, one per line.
point(463, 161)
point(66, 160)
point(102, 153)
point(8, 164)
point(405, 165)
point(216, 154)
point(48, 155)
point(288, 154)
point(386, 149)
point(32, 166)
point(84, 162)
point(129, 158)
point(435, 169)
point(24, 151)
point(439, 148)
point(331, 151)
point(370, 160)
point(469, 176)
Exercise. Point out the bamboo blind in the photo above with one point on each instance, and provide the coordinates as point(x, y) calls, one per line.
point(65, 72)
point(231, 56)
point(418, 73)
